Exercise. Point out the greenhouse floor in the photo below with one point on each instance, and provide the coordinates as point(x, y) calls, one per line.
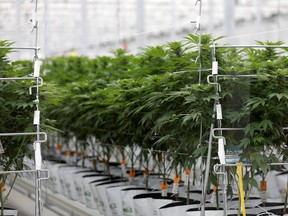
point(22, 199)
point(26, 205)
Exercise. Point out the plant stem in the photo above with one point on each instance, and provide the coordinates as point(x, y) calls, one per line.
point(11, 187)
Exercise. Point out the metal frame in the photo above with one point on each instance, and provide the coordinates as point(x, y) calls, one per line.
point(212, 129)
point(41, 137)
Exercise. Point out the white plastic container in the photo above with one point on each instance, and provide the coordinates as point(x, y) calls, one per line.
point(100, 193)
point(88, 194)
point(55, 183)
point(178, 208)
point(68, 177)
point(62, 173)
point(149, 203)
point(127, 195)
point(114, 198)
point(94, 192)
point(78, 178)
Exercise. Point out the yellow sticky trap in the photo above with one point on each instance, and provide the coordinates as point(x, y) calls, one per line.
point(74, 53)
point(239, 171)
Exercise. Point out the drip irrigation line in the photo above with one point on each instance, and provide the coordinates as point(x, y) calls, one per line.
point(233, 129)
point(243, 76)
point(189, 71)
point(144, 149)
point(250, 46)
point(258, 33)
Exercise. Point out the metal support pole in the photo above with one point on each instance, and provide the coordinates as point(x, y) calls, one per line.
point(207, 170)
point(140, 23)
point(229, 19)
point(84, 28)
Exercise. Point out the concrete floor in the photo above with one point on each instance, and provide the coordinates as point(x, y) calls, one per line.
point(26, 206)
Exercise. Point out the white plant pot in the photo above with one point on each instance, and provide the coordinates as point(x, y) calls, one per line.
point(78, 178)
point(55, 183)
point(62, 172)
point(177, 208)
point(195, 193)
point(100, 193)
point(70, 183)
point(127, 195)
point(250, 203)
point(150, 203)
point(86, 188)
point(114, 199)
point(94, 191)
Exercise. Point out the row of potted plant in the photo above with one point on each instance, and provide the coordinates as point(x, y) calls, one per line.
point(160, 100)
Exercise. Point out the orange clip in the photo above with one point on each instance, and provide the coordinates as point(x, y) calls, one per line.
point(177, 179)
point(132, 173)
point(164, 185)
point(58, 147)
point(263, 185)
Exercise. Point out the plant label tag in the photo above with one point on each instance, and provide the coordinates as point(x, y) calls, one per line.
point(164, 189)
point(186, 181)
point(176, 182)
point(263, 196)
point(187, 177)
point(175, 188)
point(164, 193)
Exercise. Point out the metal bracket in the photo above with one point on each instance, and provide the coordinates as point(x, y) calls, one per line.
point(27, 134)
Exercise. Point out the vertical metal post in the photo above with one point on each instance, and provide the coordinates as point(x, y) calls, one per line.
point(224, 189)
point(37, 145)
point(229, 17)
point(207, 166)
point(173, 11)
point(258, 5)
point(140, 22)
point(84, 28)
point(210, 15)
point(46, 28)
point(18, 22)
point(118, 24)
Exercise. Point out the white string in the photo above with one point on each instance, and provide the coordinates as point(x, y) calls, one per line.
point(256, 33)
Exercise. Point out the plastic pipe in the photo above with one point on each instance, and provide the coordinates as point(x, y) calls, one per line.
point(239, 171)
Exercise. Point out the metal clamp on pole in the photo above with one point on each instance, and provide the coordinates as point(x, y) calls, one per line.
point(36, 86)
point(216, 168)
point(214, 83)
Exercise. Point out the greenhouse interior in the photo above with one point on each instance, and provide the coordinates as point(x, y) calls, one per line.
point(142, 107)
